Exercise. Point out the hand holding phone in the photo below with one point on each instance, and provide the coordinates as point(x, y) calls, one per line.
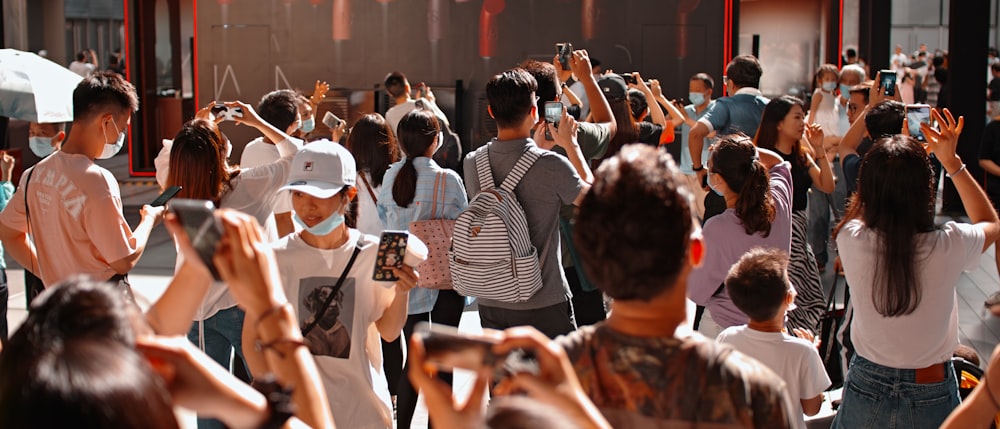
point(226, 112)
point(165, 196)
point(564, 50)
point(332, 121)
point(917, 114)
point(197, 217)
point(448, 349)
point(887, 82)
point(391, 250)
point(630, 79)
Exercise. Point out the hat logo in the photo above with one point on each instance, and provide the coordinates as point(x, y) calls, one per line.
point(308, 166)
point(298, 183)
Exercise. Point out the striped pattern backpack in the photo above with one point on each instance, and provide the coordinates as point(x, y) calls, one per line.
point(491, 254)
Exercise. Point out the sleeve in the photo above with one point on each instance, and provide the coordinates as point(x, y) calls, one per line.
point(566, 183)
point(162, 163)
point(706, 279)
point(13, 215)
point(264, 181)
point(813, 379)
point(457, 201)
point(107, 229)
point(472, 185)
point(717, 116)
point(969, 238)
point(593, 139)
point(781, 182)
point(6, 192)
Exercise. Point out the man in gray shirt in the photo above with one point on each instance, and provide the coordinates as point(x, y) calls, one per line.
point(552, 181)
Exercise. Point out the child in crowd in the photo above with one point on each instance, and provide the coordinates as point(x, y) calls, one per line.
point(758, 285)
point(824, 107)
point(326, 269)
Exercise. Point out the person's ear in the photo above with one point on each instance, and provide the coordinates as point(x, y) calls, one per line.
point(58, 139)
point(489, 110)
point(351, 193)
point(696, 252)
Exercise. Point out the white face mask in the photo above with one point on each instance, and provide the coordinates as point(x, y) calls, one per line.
point(112, 148)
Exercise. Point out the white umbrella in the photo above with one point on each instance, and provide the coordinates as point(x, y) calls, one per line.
point(35, 89)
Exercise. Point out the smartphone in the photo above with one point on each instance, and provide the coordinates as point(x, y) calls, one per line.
point(564, 50)
point(202, 228)
point(917, 114)
point(331, 120)
point(166, 196)
point(223, 111)
point(887, 82)
point(553, 112)
point(448, 349)
point(391, 249)
point(630, 79)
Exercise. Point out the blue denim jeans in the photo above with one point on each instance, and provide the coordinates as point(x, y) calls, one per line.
point(223, 335)
point(877, 396)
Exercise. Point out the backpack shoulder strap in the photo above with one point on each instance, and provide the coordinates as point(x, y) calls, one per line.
point(483, 168)
point(527, 159)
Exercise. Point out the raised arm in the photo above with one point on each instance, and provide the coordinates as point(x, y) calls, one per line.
point(600, 110)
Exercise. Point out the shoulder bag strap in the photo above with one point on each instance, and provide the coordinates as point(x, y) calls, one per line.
point(483, 168)
point(369, 187)
point(329, 300)
point(527, 159)
point(434, 199)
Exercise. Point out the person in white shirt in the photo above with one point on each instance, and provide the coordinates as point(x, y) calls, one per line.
point(758, 284)
point(85, 64)
point(899, 60)
point(399, 89)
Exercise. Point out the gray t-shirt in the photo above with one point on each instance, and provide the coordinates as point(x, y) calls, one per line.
point(547, 186)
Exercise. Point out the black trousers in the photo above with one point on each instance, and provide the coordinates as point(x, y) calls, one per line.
point(447, 311)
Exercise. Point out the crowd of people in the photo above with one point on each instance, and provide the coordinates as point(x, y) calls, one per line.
point(607, 243)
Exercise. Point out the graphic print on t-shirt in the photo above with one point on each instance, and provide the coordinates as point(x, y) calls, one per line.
point(330, 335)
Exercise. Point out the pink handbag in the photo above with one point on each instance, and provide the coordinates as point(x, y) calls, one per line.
point(436, 234)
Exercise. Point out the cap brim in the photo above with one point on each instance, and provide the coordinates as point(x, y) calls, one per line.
point(314, 188)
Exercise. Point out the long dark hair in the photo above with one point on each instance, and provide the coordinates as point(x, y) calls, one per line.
point(734, 158)
point(417, 131)
point(198, 162)
point(895, 200)
point(628, 131)
point(374, 146)
point(774, 113)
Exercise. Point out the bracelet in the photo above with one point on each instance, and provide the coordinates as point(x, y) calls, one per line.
point(698, 168)
point(271, 312)
point(960, 169)
point(261, 346)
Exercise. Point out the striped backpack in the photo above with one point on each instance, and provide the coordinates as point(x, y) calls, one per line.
point(491, 254)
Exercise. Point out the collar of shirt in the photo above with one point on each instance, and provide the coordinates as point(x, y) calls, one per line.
point(748, 90)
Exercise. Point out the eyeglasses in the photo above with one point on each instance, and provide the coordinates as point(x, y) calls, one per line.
point(725, 79)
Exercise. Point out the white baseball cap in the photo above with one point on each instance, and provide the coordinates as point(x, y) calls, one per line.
point(321, 169)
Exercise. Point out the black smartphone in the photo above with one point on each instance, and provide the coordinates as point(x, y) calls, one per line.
point(564, 50)
point(166, 196)
point(630, 79)
point(448, 349)
point(391, 249)
point(917, 114)
point(553, 112)
point(887, 82)
point(202, 227)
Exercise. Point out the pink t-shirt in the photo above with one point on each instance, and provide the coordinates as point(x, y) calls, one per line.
point(76, 217)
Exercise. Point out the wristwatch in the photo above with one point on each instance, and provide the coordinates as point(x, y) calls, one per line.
point(698, 168)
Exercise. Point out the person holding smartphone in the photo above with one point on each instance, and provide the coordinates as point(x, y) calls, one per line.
point(327, 272)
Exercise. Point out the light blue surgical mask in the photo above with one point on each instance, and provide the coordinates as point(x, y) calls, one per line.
point(829, 86)
point(41, 146)
point(111, 149)
point(717, 192)
point(696, 98)
point(308, 125)
point(845, 90)
point(323, 228)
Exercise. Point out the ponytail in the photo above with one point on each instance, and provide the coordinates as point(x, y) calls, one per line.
point(405, 186)
point(416, 133)
point(755, 207)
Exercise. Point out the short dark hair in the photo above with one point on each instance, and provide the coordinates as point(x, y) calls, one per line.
point(81, 55)
point(637, 103)
point(101, 92)
point(395, 84)
point(885, 119)
point(744, 71)
point(995, 67)
point(510, 96)
point(706, 79)
point(864, 88)
point(758, 283)
point(639, 196)
point(851, 52)
point(546, 78)
point(279, 108)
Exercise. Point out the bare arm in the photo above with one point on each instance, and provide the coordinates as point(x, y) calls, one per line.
point(677, 116)
point(655, 113)
point(17, 246)
point(819, 169)
point(173, 312)
point(600, 110)
point(811, 406)
point(571, 96)
point(150, 216)
point(696, 141)
point(990, 166)
point(394, 317)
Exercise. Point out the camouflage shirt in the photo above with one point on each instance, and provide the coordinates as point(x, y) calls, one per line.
point(676, 382)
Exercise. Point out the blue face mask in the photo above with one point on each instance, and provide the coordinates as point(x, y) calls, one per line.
point(308, 125)
point(717, 192)
point(829, 86)
point(696, 98)
point(323, 228)
point(41, 146)
point(845, 90)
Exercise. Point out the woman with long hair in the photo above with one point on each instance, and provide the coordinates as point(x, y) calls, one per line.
point(757, 187)
point(408, 195)
point(631, 104)
point(903, 271)
point(199, 165)
point(783, 129)
point(374, 147)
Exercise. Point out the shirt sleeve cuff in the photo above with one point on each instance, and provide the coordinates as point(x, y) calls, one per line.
point(707, 124)
point(288, 147)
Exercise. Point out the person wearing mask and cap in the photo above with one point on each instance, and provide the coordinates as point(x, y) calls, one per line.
point(72, 207)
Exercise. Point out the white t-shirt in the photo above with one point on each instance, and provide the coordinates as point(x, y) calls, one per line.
point(929, 334)
point(898, 63)
point(396, 113)
point(257, 153)
point(347, 352)
point(794, 359)
point(81, 68)
point(368, 220)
